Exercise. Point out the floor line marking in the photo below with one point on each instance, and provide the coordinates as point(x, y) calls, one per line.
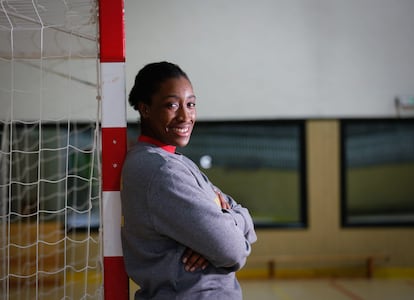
point(345, 291)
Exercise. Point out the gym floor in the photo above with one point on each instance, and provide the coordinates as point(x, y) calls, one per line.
point(328, 289)
point(278, 289)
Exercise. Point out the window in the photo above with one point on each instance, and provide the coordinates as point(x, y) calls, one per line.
point(259, 163)
point(377, 172)
point(50, 171)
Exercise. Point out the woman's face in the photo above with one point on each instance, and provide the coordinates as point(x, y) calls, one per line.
point(171, 116)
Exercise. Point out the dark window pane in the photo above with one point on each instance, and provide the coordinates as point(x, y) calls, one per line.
point(378, 172)
point(50, 171)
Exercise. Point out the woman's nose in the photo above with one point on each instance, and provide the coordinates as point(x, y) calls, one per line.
point(183, 114)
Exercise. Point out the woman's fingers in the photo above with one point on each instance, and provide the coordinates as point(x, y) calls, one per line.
point(193, 261)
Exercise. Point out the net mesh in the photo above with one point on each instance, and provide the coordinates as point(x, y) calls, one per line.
point(50, 244)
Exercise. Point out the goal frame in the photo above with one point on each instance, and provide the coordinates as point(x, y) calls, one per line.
point(114, 143)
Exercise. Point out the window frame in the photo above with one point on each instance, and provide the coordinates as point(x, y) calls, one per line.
point(344, 215)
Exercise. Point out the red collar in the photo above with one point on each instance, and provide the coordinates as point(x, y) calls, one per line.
point(150, 140)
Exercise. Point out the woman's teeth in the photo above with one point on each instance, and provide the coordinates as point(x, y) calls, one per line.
point(180, 130)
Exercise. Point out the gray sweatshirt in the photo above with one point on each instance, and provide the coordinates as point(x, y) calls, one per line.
point(169, 205)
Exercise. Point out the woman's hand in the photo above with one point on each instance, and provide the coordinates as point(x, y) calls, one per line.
point(193, 261)
point(224, 204)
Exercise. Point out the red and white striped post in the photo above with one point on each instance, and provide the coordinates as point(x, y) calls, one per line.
point(114, 143)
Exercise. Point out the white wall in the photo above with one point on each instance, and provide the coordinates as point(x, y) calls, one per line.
point(48, 66)
point(51, 90)
point(279, 58)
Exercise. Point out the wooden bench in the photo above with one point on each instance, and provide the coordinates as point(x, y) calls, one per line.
point(272, 260)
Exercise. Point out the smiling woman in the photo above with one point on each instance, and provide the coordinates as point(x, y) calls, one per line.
point(174, 108)
point(169, 114)
point(168, 204)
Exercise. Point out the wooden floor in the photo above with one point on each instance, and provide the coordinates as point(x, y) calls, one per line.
point(276, 289)
point(328, 289)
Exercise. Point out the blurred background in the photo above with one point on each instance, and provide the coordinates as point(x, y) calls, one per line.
point(305, 116)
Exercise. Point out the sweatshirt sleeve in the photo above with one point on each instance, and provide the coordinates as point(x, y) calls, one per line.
point(183, 209)
point(242, 217)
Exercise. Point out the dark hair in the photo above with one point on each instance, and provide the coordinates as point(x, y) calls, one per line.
point(149, 79)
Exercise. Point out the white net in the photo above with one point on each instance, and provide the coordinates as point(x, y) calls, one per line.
point(50, 244)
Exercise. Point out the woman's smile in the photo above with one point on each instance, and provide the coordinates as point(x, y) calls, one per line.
point(171, 116)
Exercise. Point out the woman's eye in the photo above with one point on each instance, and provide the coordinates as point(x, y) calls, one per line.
point(172, 105)
point(191, 104)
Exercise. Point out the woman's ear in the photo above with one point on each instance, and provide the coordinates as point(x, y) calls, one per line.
point(143, 109)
